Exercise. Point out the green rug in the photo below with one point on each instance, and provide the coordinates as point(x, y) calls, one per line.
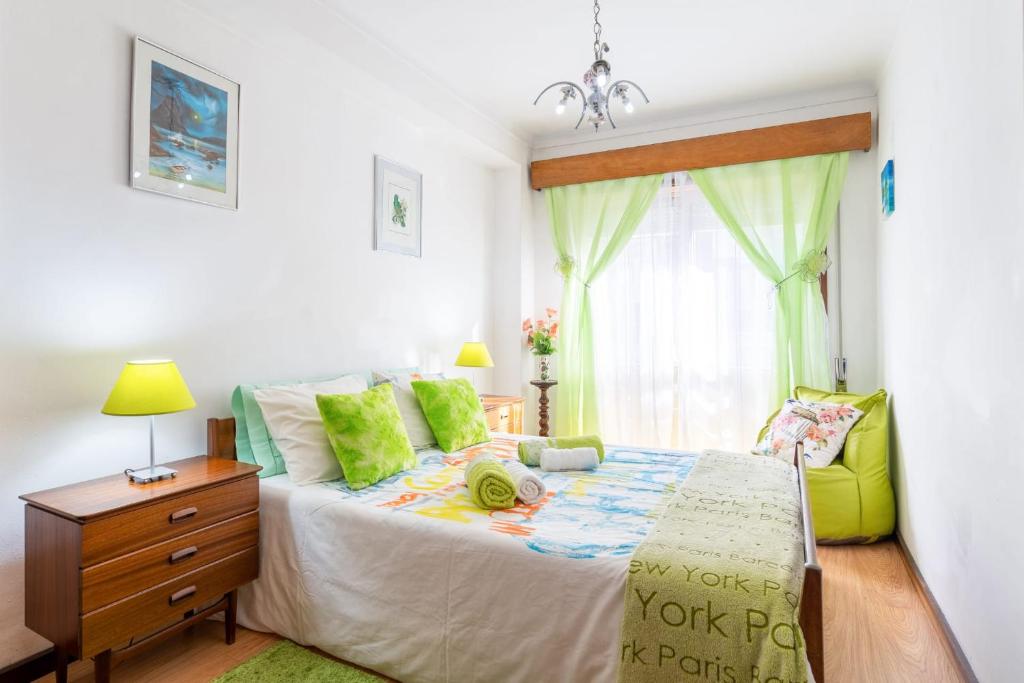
point(287, 662)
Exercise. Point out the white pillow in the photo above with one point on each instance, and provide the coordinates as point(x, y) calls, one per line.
point(297, 429)
point(416, 426)
point(821, 426)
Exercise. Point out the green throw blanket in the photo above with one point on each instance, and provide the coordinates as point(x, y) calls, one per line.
point(529, 450)
point(713, 591)
point(490, 484)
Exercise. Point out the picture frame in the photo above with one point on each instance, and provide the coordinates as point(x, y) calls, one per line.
point(888, 188)
point(184, 128)
point(397, 208)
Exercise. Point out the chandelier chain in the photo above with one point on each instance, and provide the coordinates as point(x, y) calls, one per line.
point(597, 31)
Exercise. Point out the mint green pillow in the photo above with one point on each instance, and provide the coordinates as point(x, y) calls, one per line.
point(253, 443)
point(453, 411)
point(367, 435)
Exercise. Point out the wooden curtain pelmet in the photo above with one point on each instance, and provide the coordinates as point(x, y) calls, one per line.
point(821, 136)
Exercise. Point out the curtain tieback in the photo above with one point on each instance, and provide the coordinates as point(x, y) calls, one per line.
point(566, 267)
point(810, 268)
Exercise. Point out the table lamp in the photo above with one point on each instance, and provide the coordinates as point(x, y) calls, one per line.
point(474, 355)
point(149, 387)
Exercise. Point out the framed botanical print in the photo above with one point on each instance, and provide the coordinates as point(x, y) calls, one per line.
point(397, 202)
point(184, 138)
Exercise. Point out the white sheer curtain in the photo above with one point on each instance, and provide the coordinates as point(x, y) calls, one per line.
point(684, 332)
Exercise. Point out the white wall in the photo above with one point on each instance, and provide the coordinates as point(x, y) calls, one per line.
point(857, 213)
point(93, 273)
point(950, 294)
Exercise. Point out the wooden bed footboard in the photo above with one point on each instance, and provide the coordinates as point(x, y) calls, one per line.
point(811, 611)
point(220, 443)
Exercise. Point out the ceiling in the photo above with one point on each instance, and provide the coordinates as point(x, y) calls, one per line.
point(688, 55)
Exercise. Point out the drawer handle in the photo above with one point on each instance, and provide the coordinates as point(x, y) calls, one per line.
point(183, 554)
point(181, 595)
point(182, 515)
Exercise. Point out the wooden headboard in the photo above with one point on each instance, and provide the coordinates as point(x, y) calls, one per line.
point(220, 438)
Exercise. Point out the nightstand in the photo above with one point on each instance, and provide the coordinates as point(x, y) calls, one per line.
point(503, 413)
point(112, 566)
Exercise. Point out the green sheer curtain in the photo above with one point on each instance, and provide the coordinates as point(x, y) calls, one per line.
point(590, 223)
point(781, 213)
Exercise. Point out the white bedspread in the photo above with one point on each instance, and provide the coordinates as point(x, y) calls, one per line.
point(409, 579)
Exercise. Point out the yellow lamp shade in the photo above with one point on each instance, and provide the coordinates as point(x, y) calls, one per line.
point(149, 387)
point(474, 355)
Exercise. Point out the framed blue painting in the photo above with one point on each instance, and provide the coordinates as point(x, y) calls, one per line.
point(184, 137)
point(888, 188)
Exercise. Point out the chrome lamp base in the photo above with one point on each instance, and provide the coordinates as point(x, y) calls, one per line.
point(147, 475)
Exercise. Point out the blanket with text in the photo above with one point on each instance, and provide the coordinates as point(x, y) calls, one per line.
point(713, 590)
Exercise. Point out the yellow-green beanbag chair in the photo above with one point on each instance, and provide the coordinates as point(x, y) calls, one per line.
point(852, 499)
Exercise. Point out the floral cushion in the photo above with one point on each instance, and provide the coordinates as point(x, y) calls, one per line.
point(821, 426)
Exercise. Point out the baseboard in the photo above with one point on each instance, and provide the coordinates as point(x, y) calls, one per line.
point(29, 669)
point(961, 659)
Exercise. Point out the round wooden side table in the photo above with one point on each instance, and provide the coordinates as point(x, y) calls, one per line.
point(543, 385)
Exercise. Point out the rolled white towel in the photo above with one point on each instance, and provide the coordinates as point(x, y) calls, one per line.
point(561, 459)
point(529, 487)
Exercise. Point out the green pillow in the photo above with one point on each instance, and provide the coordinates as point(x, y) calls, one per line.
point(453, 411)
point(367, 435)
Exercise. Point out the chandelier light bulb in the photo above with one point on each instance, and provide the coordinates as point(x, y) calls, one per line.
point(560, 107)
point(627, 105)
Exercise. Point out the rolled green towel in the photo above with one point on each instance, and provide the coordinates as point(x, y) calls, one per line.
point(490, 485)
point(529, 450)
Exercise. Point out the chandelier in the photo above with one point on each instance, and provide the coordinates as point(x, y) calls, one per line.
point(595, 102)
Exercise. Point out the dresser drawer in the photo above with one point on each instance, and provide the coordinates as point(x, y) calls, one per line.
point(162, 606)
point(117, 535)
point(497, 419)
point(127, 575)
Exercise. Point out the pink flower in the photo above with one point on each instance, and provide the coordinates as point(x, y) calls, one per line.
point(527, 325)
point(828, 416)
point(552, 312)
point(815, 434)
point(845, 411)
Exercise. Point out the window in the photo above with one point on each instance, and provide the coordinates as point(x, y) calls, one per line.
point(684, 332)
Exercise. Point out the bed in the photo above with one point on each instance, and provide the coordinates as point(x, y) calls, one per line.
point(409, 578)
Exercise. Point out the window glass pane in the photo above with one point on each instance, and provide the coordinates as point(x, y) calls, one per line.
point(684, 331)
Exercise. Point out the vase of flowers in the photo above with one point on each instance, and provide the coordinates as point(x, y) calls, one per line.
point(540, 339)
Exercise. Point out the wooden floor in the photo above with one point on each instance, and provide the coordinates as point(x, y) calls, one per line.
point(878, 629)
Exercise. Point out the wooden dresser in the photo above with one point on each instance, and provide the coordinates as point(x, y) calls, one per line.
point(112, 566)
point(503, 413)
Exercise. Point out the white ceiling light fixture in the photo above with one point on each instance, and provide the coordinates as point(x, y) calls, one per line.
point(595, 104)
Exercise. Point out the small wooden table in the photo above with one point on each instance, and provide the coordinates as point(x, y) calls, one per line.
point(503, 413)
point(543, 385)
